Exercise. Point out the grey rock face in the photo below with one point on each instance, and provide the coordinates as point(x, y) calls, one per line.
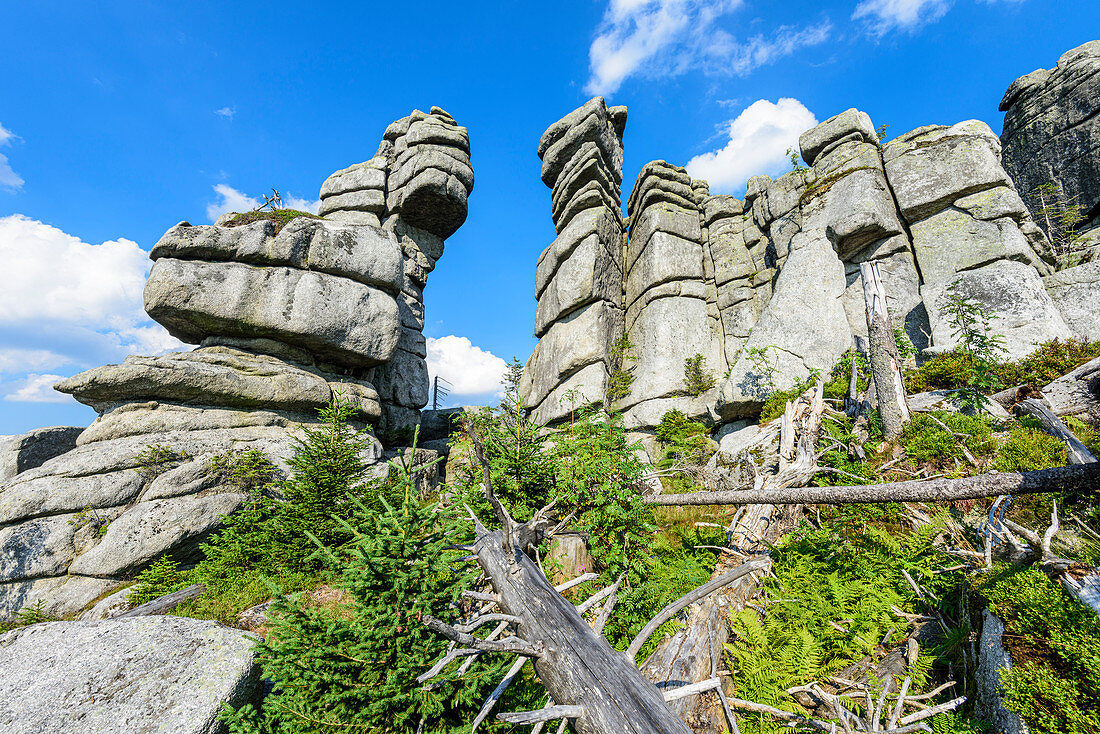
point(141, 675)
point(369, 255)
point(1013, 299)
point(339, 320)
point(849, 126)
point(579, 278)
point(31, 450)
point(1052, 129)
point(1076, 294)
point(218, 376)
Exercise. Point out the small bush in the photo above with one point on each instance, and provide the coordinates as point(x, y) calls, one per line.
point(157, 458)
point(925, 441)
point(1055, 643)
point(696, 378)
point(162, 577)
point(1048, 362)
point(245, 470)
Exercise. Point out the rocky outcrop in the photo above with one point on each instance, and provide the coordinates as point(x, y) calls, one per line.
point(579, 277)
point(768, 290)
point(1052, 130)
point(140, 675)
point(285, 319)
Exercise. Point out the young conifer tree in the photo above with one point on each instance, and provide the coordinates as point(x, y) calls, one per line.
point(352, 665)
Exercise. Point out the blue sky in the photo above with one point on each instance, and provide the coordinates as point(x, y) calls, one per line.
point(118, 120)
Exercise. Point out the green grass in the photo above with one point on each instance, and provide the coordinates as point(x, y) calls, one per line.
point(281, 217)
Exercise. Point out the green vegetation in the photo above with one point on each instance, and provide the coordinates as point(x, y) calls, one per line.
point(157, 458)
point(621, 377)
point(1054, 684)
point(697, 380)
point(1028, 448)
point(977, 340)
point(162, 577)
point(1060, 218)
point(281, 217)
point(830, 604)
point(1049, 361)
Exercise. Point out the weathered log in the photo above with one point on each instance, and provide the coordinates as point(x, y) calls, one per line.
point(1077, 392)
point(885, 366)
point(166, 603)
point(692, 596)
point(1078, 453)
point(577, 666)
point(1060, 479)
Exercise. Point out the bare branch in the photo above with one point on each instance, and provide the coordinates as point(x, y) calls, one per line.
point(485, 619)
point(692, 689)
point(494, 697)
point(576, 582)
point(444, 661)
point(1060, 479)
point(706, 589)
point(929, 712)
point(507, 524)
point(605, 613)
point(508, 644)
point(547, 714)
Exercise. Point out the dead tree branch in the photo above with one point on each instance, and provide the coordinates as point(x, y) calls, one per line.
point(885, 366)
point(1060, 479)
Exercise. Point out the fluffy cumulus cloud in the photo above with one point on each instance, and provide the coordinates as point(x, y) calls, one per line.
point(883, 16)
point(68, 303)
point(9, 179)
point(231, 200)
point(470, 369)
point(758, 141)
point(35, 388)
point(669, 37)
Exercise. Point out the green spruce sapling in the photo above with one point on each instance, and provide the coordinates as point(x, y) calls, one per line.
point(986, 349)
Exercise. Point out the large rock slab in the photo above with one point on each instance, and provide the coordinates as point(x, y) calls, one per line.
point(850, 125)
point(931, 167)
point(338, 320)
point(369, 255)
point(142, 676)
point(1011, 295)
point(215, 376)
point(803, 328)
point(148, 529)
point(1076, 293)
point(952, 241)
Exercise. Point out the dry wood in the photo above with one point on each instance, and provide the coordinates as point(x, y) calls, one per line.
point(885, 366)
point(1052, 424)
point(547, 714)
point(1060, 479)
point(166, 603)
point(1077, 392)
point(695, 595)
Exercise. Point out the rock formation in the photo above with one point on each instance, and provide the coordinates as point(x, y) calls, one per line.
point(774, 280)
point(285, 318)
point(1052, 130)
point(578, 280)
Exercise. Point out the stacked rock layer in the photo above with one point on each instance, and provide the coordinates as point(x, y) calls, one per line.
point(284, 319)
point(768, 290)
point(579, 277)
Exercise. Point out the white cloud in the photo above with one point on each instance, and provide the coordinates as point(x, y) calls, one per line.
point(304, 205)
point(9, 179)
point(66, 302)
point(470, 370)
point(230, 200)
point(226, 112)
point(758, 141)
point(37, 388)
point(21, 360)
point(883, 16)
point(668, 37)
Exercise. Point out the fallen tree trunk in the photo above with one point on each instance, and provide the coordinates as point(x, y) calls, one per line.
point(166, 603)
point(1060, 479)
point(1077, 392)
